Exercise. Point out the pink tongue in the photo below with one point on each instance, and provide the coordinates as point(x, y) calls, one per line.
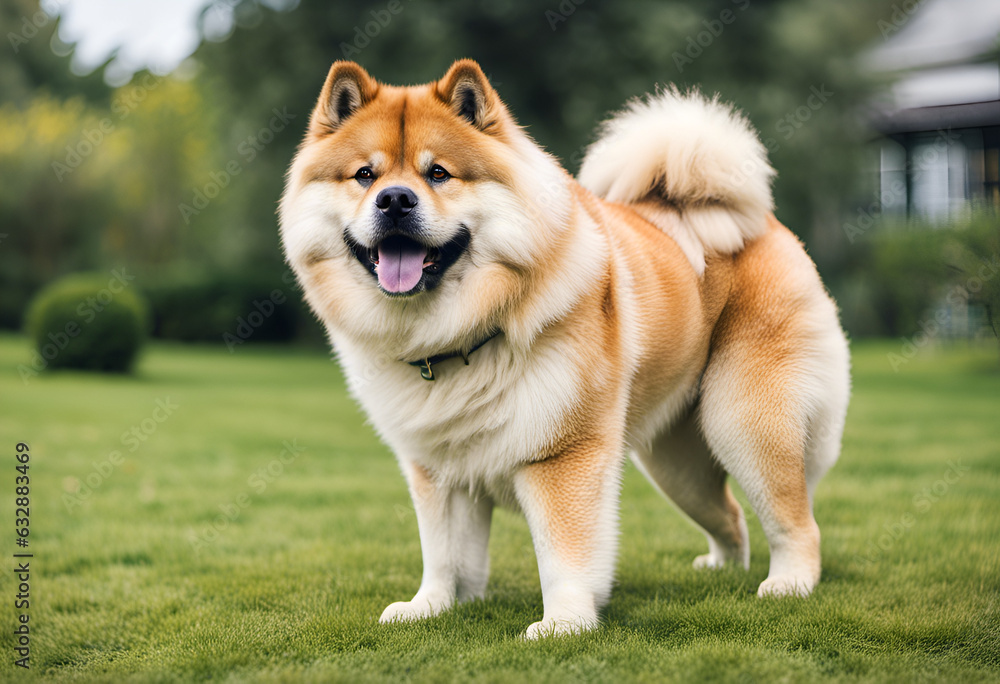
point(400, 264)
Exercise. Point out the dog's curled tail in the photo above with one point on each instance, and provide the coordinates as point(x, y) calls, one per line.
point(700, 156)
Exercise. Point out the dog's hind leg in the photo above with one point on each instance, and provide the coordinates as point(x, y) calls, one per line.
point(679, 463)
point(825, 434)
point(758, 415)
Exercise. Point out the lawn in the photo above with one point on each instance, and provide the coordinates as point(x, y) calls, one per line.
point(136, 577)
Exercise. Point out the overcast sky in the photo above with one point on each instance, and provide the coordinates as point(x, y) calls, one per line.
point(149, 33)
point(158, 34)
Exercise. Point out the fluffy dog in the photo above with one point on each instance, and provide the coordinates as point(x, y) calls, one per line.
point(513, 333)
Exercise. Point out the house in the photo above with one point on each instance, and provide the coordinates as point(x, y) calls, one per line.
point(939, 117)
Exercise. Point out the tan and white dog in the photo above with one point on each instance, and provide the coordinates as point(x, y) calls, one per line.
point(514, 333)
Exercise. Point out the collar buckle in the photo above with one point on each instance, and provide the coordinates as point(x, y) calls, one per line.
point(426, 371)
point(426, 364)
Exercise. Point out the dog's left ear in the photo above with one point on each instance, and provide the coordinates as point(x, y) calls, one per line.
point(468, 92)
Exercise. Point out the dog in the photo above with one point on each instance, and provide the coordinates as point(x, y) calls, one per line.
point(514, 333)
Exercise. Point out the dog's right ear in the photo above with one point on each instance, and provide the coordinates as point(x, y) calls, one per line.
point(348, 88)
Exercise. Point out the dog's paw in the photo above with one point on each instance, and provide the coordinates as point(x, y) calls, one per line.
point(408, 611)
point(709, 560)
point(785, 585)
point(559, 627)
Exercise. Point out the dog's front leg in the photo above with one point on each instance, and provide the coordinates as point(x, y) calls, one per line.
point(571, 503)
point(454, 539)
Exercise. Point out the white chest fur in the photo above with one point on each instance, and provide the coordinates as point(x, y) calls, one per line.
point(473, 425)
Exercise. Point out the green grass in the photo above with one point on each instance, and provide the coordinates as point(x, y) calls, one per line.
point(291, 590)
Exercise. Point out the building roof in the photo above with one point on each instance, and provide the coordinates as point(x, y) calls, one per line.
point(942, 55)
point(938, 33)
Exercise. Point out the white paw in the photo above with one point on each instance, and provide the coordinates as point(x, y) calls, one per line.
point(559, 626)
point(720, 554)
point(709, 560)
point(407, 611)
point(786, 585)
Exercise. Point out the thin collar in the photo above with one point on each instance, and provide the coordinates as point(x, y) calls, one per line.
point(426, 365)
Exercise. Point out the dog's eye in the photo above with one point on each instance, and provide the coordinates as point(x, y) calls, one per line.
point(364, 175)
point(438, 174)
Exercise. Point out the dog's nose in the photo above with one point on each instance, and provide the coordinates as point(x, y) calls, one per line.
point(396, 201)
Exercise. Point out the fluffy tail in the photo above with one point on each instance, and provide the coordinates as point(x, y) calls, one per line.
point(698, 155)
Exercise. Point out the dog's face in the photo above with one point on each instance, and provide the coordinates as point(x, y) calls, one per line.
point(408, 183)
point(402, 198)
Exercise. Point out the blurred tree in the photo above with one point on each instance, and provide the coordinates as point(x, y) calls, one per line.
point(562, 65)
point(33, 58)
point(46, 227)
point(164, 145)
point(185, 175)
point(83, 187)
point(49, 224)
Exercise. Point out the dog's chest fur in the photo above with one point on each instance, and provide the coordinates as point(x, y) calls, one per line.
point(473, 425)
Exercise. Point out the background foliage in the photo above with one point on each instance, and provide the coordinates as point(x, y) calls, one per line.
point(183, 181)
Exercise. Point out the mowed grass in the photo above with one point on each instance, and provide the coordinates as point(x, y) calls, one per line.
point(291, 589)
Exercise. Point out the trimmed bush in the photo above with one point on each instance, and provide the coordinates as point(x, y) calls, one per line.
point(89, 321)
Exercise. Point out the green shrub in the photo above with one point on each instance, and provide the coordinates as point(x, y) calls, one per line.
point(904, 270)
point(976, 256)
point(89, 321)
point(909, 272)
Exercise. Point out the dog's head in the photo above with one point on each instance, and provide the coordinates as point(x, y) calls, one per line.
point(423, 209)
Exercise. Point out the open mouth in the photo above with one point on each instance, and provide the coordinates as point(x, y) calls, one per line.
point(404, 266)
